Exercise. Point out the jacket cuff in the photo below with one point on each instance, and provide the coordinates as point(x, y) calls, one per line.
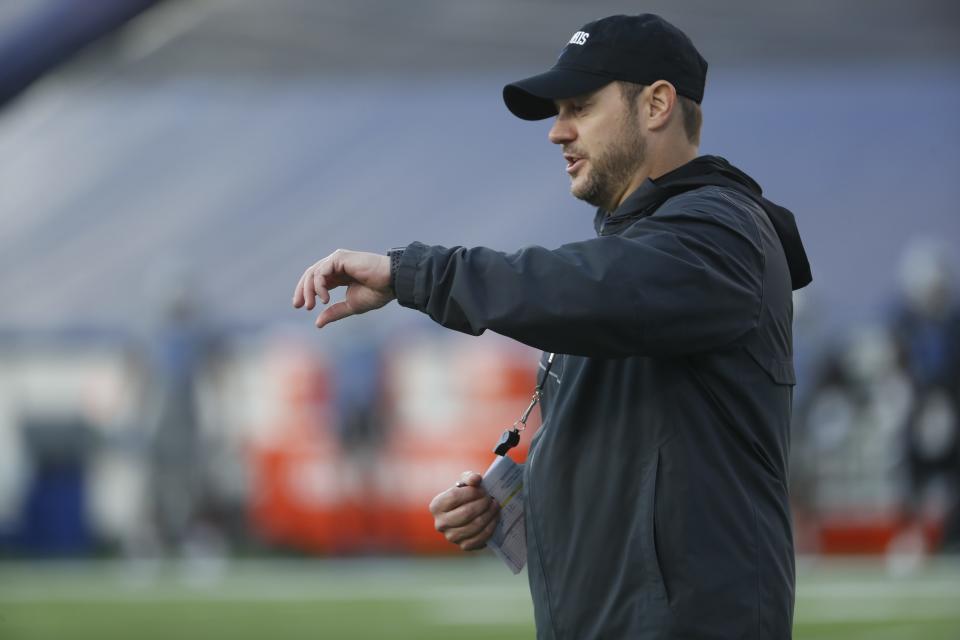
point(405, 286)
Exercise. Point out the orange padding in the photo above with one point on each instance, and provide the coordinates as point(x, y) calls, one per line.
point(445, 409)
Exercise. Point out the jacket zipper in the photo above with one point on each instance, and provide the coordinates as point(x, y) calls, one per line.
point(531, 525)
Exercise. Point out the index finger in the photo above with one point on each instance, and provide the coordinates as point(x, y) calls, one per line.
point(455, 497)
point(298, 293)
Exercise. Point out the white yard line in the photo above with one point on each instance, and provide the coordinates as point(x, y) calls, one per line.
point(864, 589)
point(267, 593)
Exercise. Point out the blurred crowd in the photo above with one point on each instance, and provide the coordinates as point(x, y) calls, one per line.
point(877, 436)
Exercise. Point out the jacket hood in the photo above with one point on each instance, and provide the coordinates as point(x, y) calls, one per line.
point(715, 171)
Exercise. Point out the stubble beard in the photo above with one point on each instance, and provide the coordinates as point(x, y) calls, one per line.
point(612, 168)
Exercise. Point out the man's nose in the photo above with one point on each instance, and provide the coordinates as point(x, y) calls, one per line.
point(562, 132)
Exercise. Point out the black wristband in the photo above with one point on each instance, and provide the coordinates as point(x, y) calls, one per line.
point(395, 254)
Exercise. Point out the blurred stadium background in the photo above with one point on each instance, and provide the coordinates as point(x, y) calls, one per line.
point(182, 455)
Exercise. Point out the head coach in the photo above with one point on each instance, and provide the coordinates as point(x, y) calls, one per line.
point(656, 490)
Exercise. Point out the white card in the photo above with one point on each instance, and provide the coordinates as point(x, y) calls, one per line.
point(504, 481)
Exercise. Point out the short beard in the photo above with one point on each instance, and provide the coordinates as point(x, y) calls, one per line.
point(613, 167)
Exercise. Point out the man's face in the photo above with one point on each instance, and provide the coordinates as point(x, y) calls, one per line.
point(602, 143)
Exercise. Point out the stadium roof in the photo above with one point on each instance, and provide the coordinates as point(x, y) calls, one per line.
point(457, 35)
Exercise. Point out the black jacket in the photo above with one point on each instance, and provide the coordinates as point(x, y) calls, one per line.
point(657, 501)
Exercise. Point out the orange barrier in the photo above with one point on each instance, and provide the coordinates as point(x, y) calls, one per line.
point(449, 402)
point(294, 484)
point(446, 404)
point(871, 534)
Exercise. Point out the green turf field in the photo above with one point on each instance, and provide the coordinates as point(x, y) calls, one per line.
point(466, 599)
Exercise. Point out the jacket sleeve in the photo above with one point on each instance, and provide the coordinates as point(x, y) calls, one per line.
point(686, 279)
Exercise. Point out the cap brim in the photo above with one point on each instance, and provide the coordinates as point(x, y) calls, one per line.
point(532, 98)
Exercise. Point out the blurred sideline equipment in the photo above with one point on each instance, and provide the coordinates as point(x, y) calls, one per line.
point(309, 493)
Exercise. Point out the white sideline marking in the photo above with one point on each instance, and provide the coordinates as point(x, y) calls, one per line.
point(852, 616)
point(918, 590)
point(480, 614)
point(266, 590)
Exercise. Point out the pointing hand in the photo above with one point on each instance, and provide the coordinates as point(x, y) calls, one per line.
point(365, 275)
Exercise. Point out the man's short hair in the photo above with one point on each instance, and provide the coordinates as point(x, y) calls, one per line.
point(689, 110)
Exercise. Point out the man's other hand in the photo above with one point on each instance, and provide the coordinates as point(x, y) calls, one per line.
point(465, 514)
point(365, 275)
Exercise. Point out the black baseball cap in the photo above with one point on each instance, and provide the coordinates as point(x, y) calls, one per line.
point(640, 49)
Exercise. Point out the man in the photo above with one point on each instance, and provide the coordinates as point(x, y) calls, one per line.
point(656, 497)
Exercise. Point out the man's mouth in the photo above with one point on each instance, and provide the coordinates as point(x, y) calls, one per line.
point(574, 163)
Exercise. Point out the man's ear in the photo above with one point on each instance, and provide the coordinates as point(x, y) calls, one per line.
point(660, 104)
